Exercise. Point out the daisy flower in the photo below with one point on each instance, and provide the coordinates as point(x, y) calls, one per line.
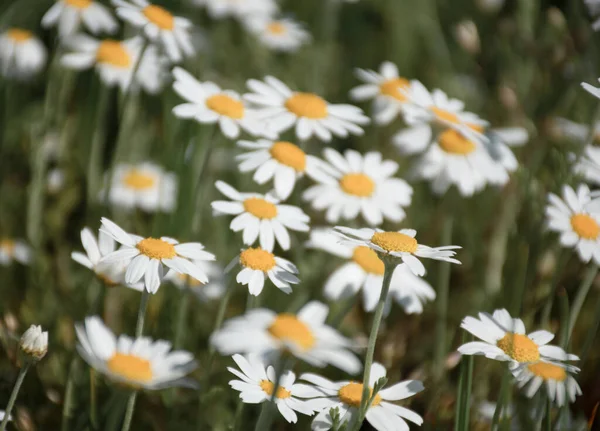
point(281, 34)
point(386, 88)
point(22, 55)
point(149, 256)
point(588, 165)
point(144, 185)
point(305, 335)
point(256, 385)
point(364, 270)
point(310, 113)
point(159, 25)
point(138, 363)
point(281, 161)
point(260, 216)
point(360, 184)
point(95, 249)
point(242, 9)
point(400, 244)
point(578, 227)
point(346, 396)
point(69, 14)
point(561, 386)
point(115, 61)
point(565, 128)
point(205, 292)
point(14, 250)
point(504, 339)
point(208, 104)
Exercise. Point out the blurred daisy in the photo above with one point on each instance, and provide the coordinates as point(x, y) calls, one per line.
point(360, 184)
point(55, 180)
point(205, 292)
point(257, 385)
point(561, 386)
point(284, 162)
point(310, 113)
point(386, 88)
point(588, 165)
point(144, 185)
point(282, 34)
point(364, 270)
point(578, 227)
point(241, 9)
point(565, 128)
point(150, 255)
point(69, 14)
point(346, 396)
point(208, 104)
point(14, 250)
point(159, 25)
point(258, 264)
point(22, 55)
point(138, 363)
point(115, 61)
point(260, 217)
point(400, 244)
point(305, 335)
point(504, 339)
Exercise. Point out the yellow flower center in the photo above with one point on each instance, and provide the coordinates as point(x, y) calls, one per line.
point(8, 246)
point(454, 142)
point(257, 259)
point(156, 248)
point(260, 208)
point(358, 185)
point(519, 347)
point(286, 327)
point(190, 281)
point(138, 180)
point(393, 87)
point(276, 27)
point(268, 387)
point(367, 259)
point(159, 16)
point(79, 4)
point(130, 367)
point(445, 116)
point(113, 53)
point(289, 154)
point(395, 242)
point(226, 105)
point(548, 371)
point(585, 226)
point(19, 35)
point(307, 105)
point(351, 394)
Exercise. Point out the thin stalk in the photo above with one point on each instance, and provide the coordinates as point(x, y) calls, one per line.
point(592, 332)
point(68, 403)
point(463, 406)
point(97, 146)
point(548, 421)
point(560, 266)
point(501, 398)
point(563, 302)
point(582, 293)
point(182, 315)
point(13, 395)
point(129, 411)
point(93, 401)
point(239, 411)
point(459, 391)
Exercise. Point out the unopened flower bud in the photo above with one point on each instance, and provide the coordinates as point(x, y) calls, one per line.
point(34, 343)
point(467, 36)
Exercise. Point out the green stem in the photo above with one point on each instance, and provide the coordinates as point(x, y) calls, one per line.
point(93, 401)
point(463, 405)
point(68, 403)
point(548, 420)
point(97, 146)
point(592, 332)
point(13, 395)
point(582, 293)
point(563, 302)
point(182, 315)
point(239, 411)
point(560, 266)
point(129, 411)
point(501, 398)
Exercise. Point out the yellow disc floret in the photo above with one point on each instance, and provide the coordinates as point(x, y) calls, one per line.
point(268, 388)
point(159, 16)
point(289, 154)
point(548, 371)
point(113, 53)
point(257, 259)
point(445, 116)
point(360, 185)
point(367, 259)
point(351, 395)
point(79, 4)
point(393, 88)
point(19, 35)
point(226, 105)
point(519, 347)
point(287, 328)
point(260, 208)
point(454, 142)
point(276, 27)
point(139, 180)
point(8, 246)
point(130, 367)
point(156, 248)
point(307, 105)
point(395, 242)
point(585, 226)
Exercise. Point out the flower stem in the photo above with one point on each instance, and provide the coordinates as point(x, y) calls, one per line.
point(182, 314)
point(129, 411)
point(582, 293)
point(68, 403)
point(504, 387)
point(548, 421)
point(463, 404)
point(592, 332)
point(13, 395)
point(93, 401)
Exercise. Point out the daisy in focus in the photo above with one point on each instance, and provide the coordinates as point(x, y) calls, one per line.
point(256, 385)
point(311, 115)
point(149, 256)
point(14, 250)
point(112, 274)
point(364, 271)
point(400, 244)
point(68, 15)
point(305, 335)
point(360, 184)
point(386, 88)
point(281, 161)
point(115, 61)
point(159, 25)
point(144, 185)
point(578, 227)
point(258, 264)
point(561, 386)
point(260, 217)
point(208, 104)
point(281, 34)
point(346, 396)
point(504, 339)
point(137, 363)
point(22, 55)
point(205, 292)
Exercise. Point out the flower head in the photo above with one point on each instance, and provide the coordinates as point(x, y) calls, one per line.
point(70, 14)
point(34, 343)
point(22, 54)
point(14, 250)
point(560, 384)
point(278, 34)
